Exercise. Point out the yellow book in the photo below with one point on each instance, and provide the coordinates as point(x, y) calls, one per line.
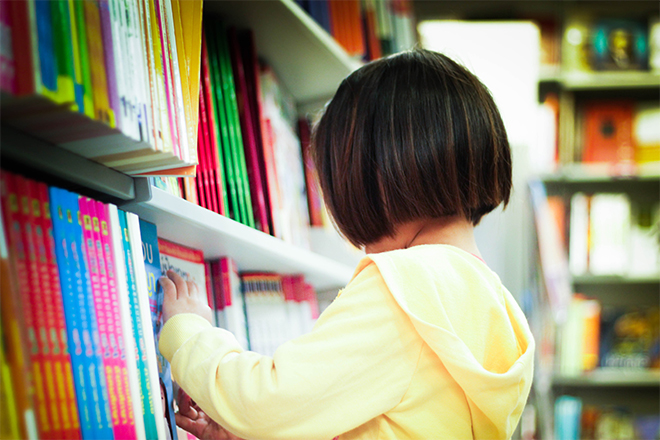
point(102, 110)
point(8, 413)
point(191, 22)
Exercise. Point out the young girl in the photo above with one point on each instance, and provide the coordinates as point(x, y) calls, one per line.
point(424, 342)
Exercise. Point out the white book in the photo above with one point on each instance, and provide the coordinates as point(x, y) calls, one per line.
point(126, 321)
point(578, 248)
point(609, 234)
point(143, 297)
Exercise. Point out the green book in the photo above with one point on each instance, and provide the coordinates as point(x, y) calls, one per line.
point(221, 122)
point(61, 25)
point(83, 55)
point(235, 136)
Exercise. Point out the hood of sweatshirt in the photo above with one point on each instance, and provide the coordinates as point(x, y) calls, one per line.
point(470, 320)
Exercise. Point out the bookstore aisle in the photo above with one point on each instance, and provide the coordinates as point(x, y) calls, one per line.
point(139, 137)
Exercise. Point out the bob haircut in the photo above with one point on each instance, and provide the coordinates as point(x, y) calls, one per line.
point(412, 136)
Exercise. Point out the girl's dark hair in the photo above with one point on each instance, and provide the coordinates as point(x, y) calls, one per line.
point(408, 137)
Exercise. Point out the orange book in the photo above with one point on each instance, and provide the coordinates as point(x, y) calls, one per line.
point(591, 335)
point(608, 128)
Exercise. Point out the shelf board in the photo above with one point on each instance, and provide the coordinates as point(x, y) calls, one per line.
point(611, 377)
point(602, 173)
point(601, 80)
point(598, 280)
point(183, 222)
point(309, 62)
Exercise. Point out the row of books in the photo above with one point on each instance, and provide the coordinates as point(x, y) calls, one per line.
point(587, 41)
point(115, 81)
point(82, 314)
point(253, 162)
point(576, 420)
point(608, 337)
point(368, 29)
point(608, 234)
point(622, 133)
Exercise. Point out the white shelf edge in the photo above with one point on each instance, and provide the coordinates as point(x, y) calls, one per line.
point(611, 377)
point(614, 80)
point(182, 222)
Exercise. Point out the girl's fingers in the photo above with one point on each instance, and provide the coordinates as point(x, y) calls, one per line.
point(181, 285)
point(189, 425)
point(169, 288)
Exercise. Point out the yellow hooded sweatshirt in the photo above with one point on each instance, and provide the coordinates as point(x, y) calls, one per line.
point(423, 343)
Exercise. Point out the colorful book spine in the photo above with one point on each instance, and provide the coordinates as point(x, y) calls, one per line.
point(102, 418)
point(111, 72)
point(83, 59)
point(146, 400)
point(149, 335)
point(73, 304)
point(61, 28)
point(13, 323)
point(46, 305)
point(60, 336)
point(102, 111)
point(29, 283)
point(107, 272)
point(152, 264)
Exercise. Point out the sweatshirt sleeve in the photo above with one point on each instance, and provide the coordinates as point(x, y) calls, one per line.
point(356, 364)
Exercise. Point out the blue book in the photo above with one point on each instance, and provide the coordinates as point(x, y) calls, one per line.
point(149, 236)
point(143, 371)
point(45, 45)
point(76, 325)
point(568, 413)
point(101, 416)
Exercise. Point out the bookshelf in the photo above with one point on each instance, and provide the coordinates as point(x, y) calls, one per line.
point(599, 81)
point(183, 222)
point(610, 378)
point(309, 62)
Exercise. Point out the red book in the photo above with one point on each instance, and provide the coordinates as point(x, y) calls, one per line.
point(58, 309)
point(314, 200)
point(252, 71)
point(22, 47)
point(202, 175)
point(609, 134)
point(49, 287)
point(248, 128)
point(41, 312)
point(15, 312)
point(209, 178)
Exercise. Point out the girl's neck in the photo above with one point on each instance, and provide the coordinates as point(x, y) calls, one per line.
point(455, 231)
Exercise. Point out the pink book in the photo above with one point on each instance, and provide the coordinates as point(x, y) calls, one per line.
point(100, 294)
point(106, 259)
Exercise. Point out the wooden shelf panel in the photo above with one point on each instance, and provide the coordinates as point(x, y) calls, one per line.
point(309, 62)
point(615, 280)
point(611, 377)
point(183, 222)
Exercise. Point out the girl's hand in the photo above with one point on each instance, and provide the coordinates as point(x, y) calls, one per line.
point(196, 422)
point(181, 296)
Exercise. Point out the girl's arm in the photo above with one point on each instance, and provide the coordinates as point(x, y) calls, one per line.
point(356, 364)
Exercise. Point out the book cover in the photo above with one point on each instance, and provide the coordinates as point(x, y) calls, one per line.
point(608, 132)
point(202, 168)
point(568, 411)
point(101, 306)
point(41, 358)
point(152, 265)
point(102, 418)
point(73, 303)
point(314, 200)
point(13, 325)
point(22, 45)
point(232, 300)
point(96, 50)
point(46, 307)
point(83, 56)
point(620, 44)
point(186, 261)
point(210, 53)
point(147, 408)
point(235, 135)
point(108, 276)
point(248, 127)
point(628, 336)
point(149, 335)
point(110, 64)
point(61, 25)
point(47, 63)
point(579, 234)
point(60, 336)
point(609, 234)
point(210, 130)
